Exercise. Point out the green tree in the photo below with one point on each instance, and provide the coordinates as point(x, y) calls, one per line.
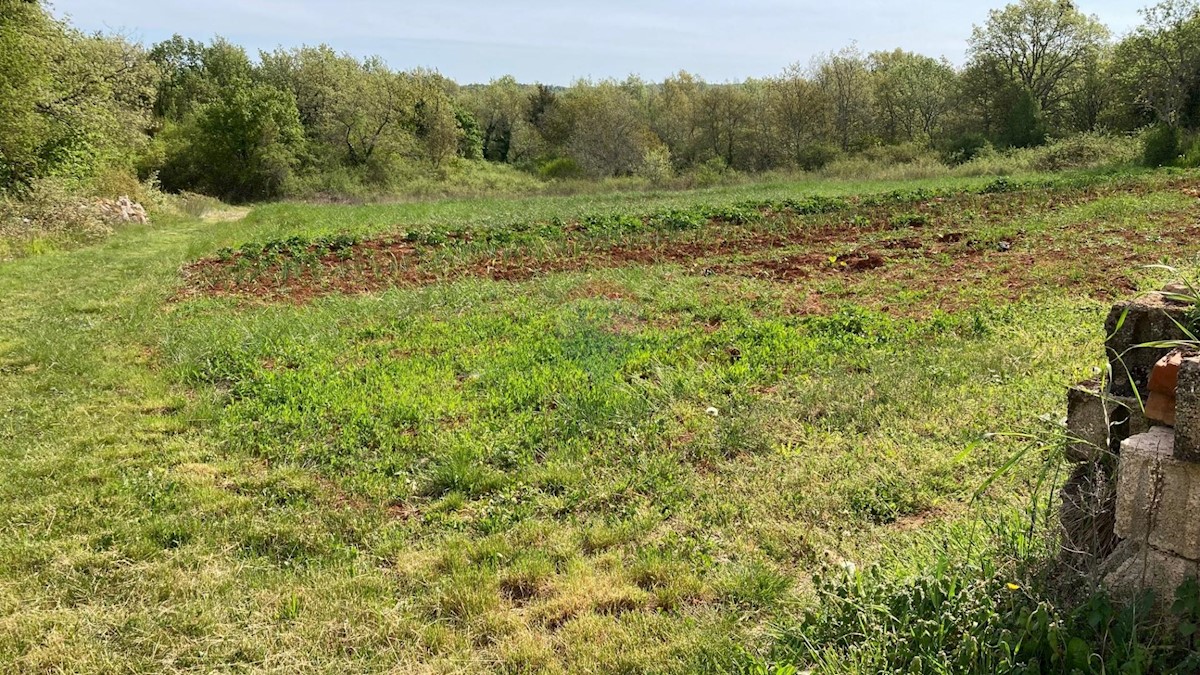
point(241, 147)
point(1023, 126)
point(1040, 45)
point(1093, 97)
point(24, 73)
point(800, 111)
point(724, 115)
point(436, 121)
point(846, 84)
point(913, 94)
point(1159, 63)
point(193, 74)
point(608, 136)
point(674, 116)
point(501, 109)
point(372, 111)
point(549, 118)
point(69, 103)
point(357, 114)
point(470, 139)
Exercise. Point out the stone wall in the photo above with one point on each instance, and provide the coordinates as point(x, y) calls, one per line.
point(1131, 510)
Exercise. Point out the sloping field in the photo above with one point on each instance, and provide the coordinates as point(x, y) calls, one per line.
point(539, 436)
point(940, 246)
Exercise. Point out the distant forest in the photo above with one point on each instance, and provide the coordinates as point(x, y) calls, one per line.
point(213, 119)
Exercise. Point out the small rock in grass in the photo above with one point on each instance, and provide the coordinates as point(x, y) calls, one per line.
point(1177, 288)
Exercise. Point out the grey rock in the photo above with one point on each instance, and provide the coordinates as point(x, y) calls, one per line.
point(1098, 422)
point(1150, 318)
point(1187, 411)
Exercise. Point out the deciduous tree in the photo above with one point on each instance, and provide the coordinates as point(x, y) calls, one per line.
point(1039, 44)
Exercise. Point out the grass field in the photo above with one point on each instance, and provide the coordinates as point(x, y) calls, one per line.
point(613, 433)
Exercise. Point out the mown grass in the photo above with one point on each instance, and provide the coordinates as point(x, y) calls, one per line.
point(632, 469)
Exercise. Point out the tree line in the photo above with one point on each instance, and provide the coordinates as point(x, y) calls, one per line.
point(210, 118)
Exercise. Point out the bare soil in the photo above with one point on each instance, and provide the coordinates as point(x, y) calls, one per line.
point(945, 251)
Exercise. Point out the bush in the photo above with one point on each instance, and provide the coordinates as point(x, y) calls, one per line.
point(816, 156)
point(904, 153)
point(194, 205)
point(966, 148)
point(1024, 126)
point(560, 168)
point(1189, 155)
point(656, 166)
point(710, 173)
point(864, 168)
point(252, 132)
point(113, 182)
point(1086, 151)
point(1161, 146)
point(49, 213)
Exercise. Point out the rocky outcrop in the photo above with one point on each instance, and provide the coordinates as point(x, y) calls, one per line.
point(121, 211)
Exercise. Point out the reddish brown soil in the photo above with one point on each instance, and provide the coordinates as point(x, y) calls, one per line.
point(937, 257)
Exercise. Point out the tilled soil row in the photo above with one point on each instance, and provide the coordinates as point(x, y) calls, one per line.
point(783, 247)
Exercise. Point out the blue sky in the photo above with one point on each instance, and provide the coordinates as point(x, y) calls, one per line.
point(557, 41)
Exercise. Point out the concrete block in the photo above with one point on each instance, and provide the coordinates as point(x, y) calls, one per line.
point(1150, 318)
point(1187, 410)
point(1087, 423)
point(1099, 422)
point(1136, 568)
point(1158, 496)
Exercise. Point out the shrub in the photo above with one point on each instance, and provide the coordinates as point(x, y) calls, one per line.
point(1161, 146)
point(816, 156)
point(252, 132)
point(966, 148)
point(903, 153)
point(993, 163)
point(656, 166)
point(113, 182)
point(710, 173)
point(1086, 151)
point(1024, 126)
point(561, 168)
point(48, 214)
point(864, 168)
point(1189, 155)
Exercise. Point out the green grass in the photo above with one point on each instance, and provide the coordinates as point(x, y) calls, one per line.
point(286, 219)
point(628, 469)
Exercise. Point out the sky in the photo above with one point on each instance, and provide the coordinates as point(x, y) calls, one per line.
point(559, 41)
